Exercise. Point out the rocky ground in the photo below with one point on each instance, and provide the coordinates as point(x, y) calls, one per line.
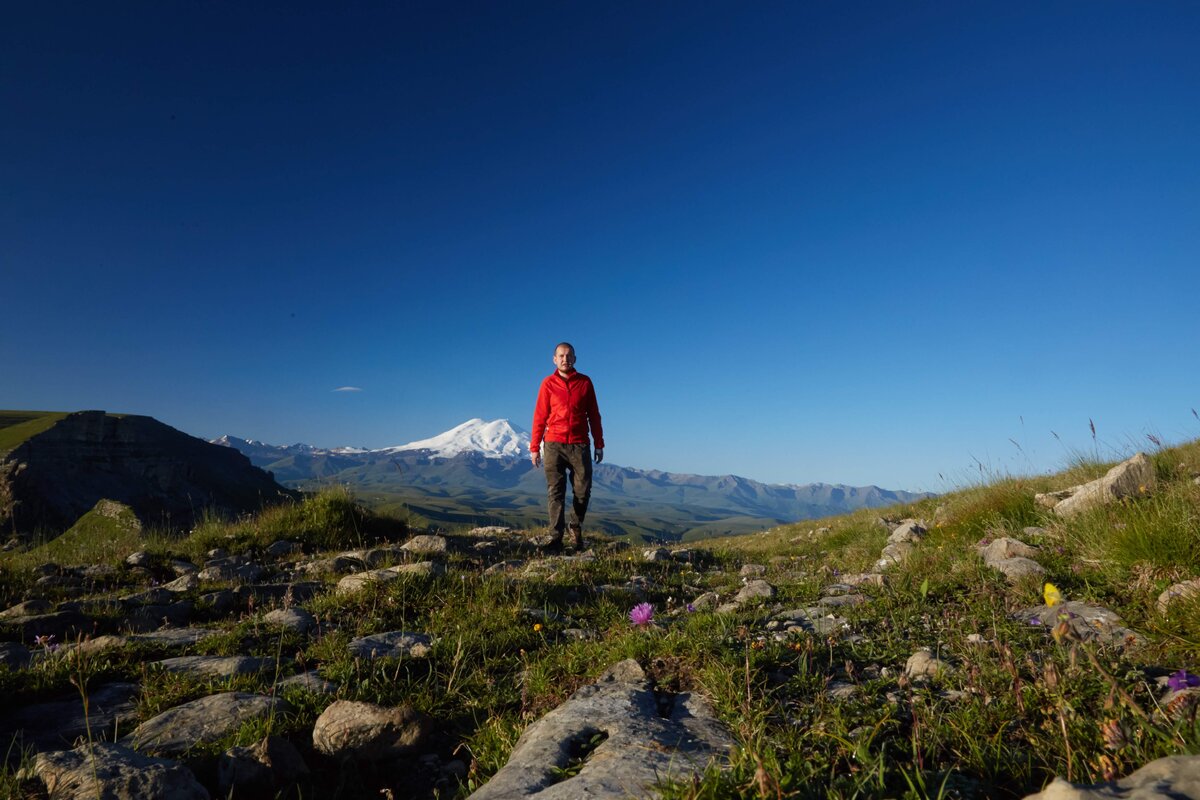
point(310, 674)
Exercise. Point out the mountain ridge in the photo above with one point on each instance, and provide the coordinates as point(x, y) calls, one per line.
point(478, 471)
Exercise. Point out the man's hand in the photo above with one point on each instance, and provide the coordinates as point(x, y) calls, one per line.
point(536, 458)
point(599, 454)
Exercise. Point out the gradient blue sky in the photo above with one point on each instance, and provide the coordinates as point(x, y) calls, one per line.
point(845, 242)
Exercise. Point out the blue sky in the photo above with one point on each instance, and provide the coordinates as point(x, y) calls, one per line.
point(884, 243)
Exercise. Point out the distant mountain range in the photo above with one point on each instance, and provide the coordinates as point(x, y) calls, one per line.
point(480, 473)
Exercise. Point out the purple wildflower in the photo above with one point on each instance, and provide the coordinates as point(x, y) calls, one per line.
point(691, 608)
point(1035, 621)
point(46, 642)
point(1182, 680)
point(641, 614)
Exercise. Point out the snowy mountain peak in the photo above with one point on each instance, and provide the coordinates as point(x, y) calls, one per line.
point(495, 439)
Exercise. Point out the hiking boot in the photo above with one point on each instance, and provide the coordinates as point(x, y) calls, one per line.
point(577, 535)
point(551, 543)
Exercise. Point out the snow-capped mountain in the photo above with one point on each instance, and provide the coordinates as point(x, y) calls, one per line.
point(495, 439)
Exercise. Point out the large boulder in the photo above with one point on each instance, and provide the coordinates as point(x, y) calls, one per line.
point(367, 732)
point(631, 739)
point(1166, 778)
point(112, 772)
point(1131, 478)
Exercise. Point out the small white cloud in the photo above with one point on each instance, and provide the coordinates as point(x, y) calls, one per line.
point(348, 389)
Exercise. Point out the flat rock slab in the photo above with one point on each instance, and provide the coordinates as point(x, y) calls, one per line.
point(1171, 777)
point(220, 666)
point(294, 619)
point(113, 772)
point(173, 637)
point(176, 730)
point(1085, 621)
point(643, 746)
point(310, 681)
point(56, 724)
point(393, 644)
point(60, 624)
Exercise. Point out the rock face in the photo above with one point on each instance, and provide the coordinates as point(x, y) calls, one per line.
point(113, 772)
point(167, 477)
point(1171, 777)
point(1130, 478)
point(642, 745)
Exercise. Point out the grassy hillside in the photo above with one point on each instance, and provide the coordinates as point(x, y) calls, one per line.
point(17, 426)
point(828, 712)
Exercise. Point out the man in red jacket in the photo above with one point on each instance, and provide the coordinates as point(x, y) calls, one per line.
point(566, 409)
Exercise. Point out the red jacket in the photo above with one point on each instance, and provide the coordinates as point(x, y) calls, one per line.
point(566, 408)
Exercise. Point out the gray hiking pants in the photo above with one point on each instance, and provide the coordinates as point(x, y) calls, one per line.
point(559, 459)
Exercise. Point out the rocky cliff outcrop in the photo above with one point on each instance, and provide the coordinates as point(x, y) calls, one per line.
point(167, 477)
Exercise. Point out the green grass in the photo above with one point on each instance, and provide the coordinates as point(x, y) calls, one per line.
point(17, 426)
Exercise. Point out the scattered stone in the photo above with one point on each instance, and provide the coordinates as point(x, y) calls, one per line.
point(263, 769)
point(157, 596)
point(1018, 569)
point(282, 549)
point(231, 568)
point(1169, 777)
point(808, 620)
point(426, 544)
point(174, 637)
point(863, 579)
point(14, 655)
point(754, 590)
point(1131, 478)
point(140, 559)
point(378, 556)
point(187, 582)
point(975, 638)
point(148, 618)
point(842, 601)
point(365, 731)
point(312, 682)
point(489, 530)
point(113, 772)
point(647, 740)
point(181, 566)
point(393, 644)
point(656, 554)
point(220, 666)
point(752, 570)
point(294, 619)
point(1187, 590)
point(921, 665)
point(706, 602)
point(176, 730)
point(29, 608)
point(909, 531)
point(62, 625)
point(841, 690)
point(1005, 547)
point(511, 565)
point(424, 569)
point(56, 724)
point(1083, 621)
point(224, 602)
point(894, 553)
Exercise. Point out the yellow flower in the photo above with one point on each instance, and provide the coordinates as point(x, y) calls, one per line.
point(537, 626)
point(1052, 594)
